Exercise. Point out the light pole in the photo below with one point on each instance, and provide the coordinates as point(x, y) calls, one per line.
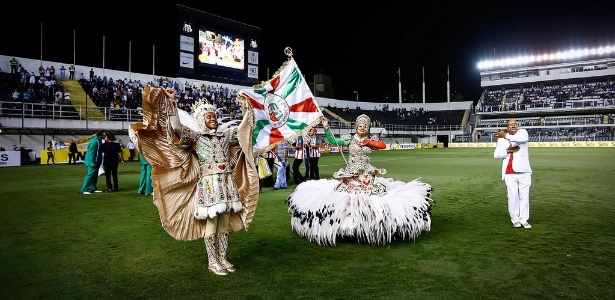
point(357, 96)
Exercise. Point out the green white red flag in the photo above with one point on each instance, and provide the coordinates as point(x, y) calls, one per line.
point(284, 107)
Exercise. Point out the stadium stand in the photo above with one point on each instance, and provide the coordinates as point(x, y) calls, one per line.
point(571, 101)
point(576, 106)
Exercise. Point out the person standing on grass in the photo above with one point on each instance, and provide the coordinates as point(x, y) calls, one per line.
point(92, 160)
point(270, 158)
point(282, 152)
point(311, 146)
point(131, 150)
point(512, 149)
point(359, 203)
point(298, 160)
point(112, 153)
point(145, 178)
point(50, 153)
point(72, 152)
point(206, 185)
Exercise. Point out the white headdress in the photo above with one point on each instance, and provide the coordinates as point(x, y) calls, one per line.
point(364, 120)
point(199, 110)
point(202, 107)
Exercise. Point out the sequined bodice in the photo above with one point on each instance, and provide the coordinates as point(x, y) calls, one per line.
point(359, 154)
point(212, 150)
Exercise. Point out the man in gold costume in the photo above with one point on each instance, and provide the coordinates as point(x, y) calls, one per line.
point(205, 184)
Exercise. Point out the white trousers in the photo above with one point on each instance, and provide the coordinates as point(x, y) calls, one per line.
point(518, 188)
point(280, 182)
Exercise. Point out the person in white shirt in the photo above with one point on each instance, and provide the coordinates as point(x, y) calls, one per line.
point(15, 95)
point(131, 150)
point(512, 149)
point(66, 97)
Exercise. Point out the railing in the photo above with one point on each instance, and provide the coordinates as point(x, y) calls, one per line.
point(70, 112)
point(399, 129)
point(547, 105)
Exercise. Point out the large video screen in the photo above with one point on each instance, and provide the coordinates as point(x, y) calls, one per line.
point(217, 49)
point(221, 49)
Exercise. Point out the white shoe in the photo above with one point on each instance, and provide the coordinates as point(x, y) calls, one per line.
point(517, 225)
point(526, 225)
point(97, 191)
point(86, 193)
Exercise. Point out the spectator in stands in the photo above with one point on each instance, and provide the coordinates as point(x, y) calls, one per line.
point(67, 97)
point(512, 149)
point(14, 65)
point(91, 74)
point(62, 72)
point(32, 79)
point(58, 97)
point(27, 96)
point(71, 72)
point(15, 95)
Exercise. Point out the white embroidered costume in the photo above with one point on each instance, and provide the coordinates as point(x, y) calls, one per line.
point(361, 206)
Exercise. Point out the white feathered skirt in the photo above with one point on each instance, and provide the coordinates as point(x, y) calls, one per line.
point(322, 214)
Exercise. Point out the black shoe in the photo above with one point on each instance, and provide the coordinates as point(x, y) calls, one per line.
point(109, 191)
point(274, 188)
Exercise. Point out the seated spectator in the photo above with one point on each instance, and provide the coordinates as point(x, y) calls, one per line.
point(15, 95)
point(58, 97)
point(67, 97)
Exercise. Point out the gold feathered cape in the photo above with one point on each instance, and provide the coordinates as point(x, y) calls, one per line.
point(175, 170)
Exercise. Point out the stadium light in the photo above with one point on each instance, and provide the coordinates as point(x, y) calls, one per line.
point(528, 60)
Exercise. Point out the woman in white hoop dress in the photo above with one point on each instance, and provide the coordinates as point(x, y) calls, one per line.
point(358, 204)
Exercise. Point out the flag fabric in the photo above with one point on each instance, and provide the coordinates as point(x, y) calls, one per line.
point(284, 107)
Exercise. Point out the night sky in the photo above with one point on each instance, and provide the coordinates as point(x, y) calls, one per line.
point(360, 46)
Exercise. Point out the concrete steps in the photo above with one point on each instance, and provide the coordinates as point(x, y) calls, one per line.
point(79, 99)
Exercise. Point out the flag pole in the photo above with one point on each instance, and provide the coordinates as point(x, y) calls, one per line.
point(41, 43)
point(103, 49)
point(448, 87)
point(74, 46)
point(399, 73)
point(153, 63)
point(423, 87)
point(129, 59)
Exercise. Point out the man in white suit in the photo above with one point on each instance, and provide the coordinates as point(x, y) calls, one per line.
point(512, 148)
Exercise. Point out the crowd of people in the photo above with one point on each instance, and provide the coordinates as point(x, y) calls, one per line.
point(45, 86)
point(597, 93)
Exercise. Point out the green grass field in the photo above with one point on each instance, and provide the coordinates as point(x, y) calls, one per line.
point(58, 244)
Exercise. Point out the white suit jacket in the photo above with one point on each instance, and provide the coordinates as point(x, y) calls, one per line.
point(521, 158)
